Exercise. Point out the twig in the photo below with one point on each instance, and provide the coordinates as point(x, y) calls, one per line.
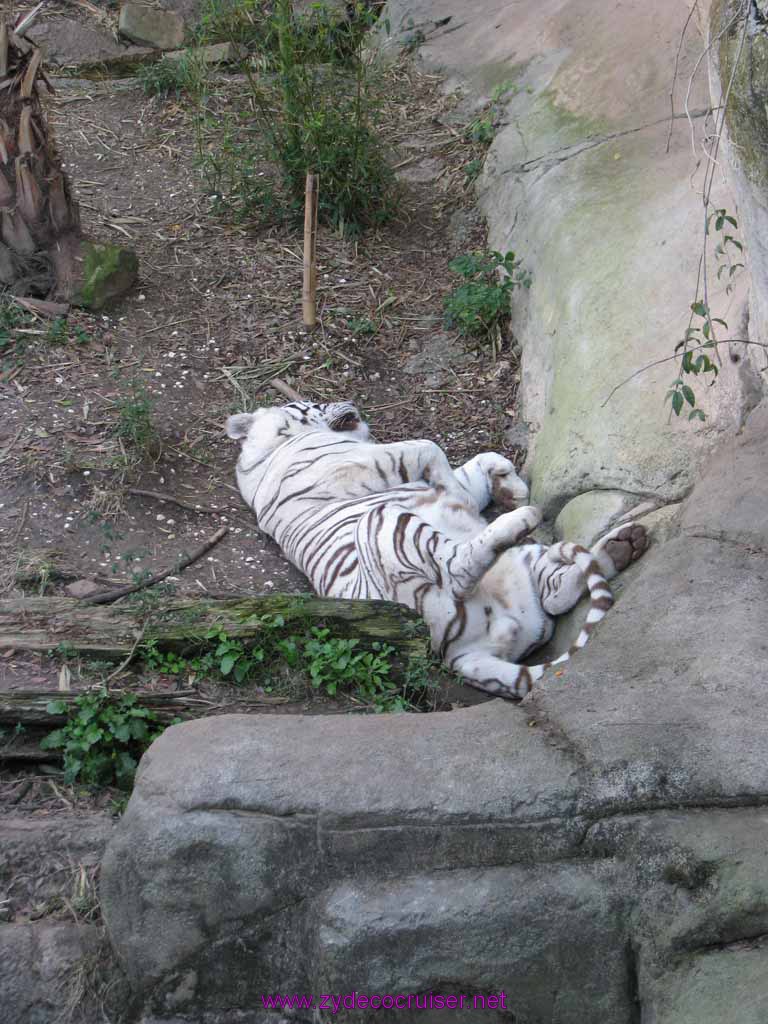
point(174, 501)
point(309, 289)
point(676, 355)
point(674, 76)
point(108, 597)
point(127, 660)
point(173, 323)
point(7, 450)
point(285, 389)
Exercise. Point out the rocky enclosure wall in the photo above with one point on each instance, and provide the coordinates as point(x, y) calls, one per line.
point(589, 181)
point(600, 853)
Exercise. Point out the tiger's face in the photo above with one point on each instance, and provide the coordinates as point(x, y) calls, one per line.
point(267, 429)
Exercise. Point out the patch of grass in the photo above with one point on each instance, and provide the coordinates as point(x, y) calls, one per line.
point(480, 304)
point(322, 33)
point(172, 76)
point(135, 426)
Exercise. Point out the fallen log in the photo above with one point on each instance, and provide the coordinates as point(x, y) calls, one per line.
point(43, 623)
point(30, 707)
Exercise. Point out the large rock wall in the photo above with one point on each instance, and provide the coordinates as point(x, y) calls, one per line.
point(589, 184)
point(599, 854)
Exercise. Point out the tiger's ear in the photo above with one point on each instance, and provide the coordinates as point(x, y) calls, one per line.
point(238, 426)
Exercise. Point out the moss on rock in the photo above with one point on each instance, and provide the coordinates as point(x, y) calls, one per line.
point(744, 57)
point(109, 271)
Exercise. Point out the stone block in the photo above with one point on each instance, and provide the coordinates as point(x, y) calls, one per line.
point(150, 26)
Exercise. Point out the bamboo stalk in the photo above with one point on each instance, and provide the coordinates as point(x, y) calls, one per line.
point(3, 50)
point(309, 290)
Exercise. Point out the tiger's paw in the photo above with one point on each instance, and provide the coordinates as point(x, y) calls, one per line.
point(523, 519)
point(625, 545)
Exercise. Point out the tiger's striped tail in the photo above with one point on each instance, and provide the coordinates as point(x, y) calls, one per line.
point(513, 681)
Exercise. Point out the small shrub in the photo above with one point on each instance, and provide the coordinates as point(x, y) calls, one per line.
point(135, 426)
point(318, 112)
point(174, 75)
point(104, 738)
point(481, 303)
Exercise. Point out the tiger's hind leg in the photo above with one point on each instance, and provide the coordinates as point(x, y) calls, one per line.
point(562, 586)
point(494, 675)
point(620, 548)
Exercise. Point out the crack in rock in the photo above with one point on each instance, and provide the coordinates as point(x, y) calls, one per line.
point(549, 160)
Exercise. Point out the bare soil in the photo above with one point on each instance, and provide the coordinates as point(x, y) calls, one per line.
point(215, 316)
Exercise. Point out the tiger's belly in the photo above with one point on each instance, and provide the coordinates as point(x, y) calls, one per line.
point(506, 616)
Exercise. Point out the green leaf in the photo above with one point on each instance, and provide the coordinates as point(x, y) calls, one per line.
point(699, 308)
point(57, 707)
point(54, 740)
point(227, 664)
point(677, 402)
point(688, 395)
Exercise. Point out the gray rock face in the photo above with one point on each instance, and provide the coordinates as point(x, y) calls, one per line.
point(580, 183)
point(34, 964)
point(150, 26)
point(597, 853)
point(64, 41)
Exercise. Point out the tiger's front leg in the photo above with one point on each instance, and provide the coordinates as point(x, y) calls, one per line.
point(406, 462)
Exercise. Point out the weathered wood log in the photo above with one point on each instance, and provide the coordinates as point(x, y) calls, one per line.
point(42, 623)
point(30, 707)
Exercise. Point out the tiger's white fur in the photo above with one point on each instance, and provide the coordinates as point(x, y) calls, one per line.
point(395, 522)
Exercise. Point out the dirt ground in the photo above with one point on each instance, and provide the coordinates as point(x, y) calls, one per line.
point(216, 314)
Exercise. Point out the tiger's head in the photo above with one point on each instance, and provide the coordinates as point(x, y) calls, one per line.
point(266, 429)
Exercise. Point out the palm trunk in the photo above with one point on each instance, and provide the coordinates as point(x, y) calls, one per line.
point(40, 238)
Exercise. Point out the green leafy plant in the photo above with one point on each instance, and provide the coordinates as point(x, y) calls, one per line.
point(334, 662)
point(104, 737)
point(59, 332)
point(700, 340)
point(12, 318)
point(472, 169)
point(483, 129)
point(334, 665)
point(481, 303)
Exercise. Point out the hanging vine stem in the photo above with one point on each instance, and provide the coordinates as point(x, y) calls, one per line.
point(668, 359)
point(679, 393)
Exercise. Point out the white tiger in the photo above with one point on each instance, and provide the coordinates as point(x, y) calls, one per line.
point(395, 522)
